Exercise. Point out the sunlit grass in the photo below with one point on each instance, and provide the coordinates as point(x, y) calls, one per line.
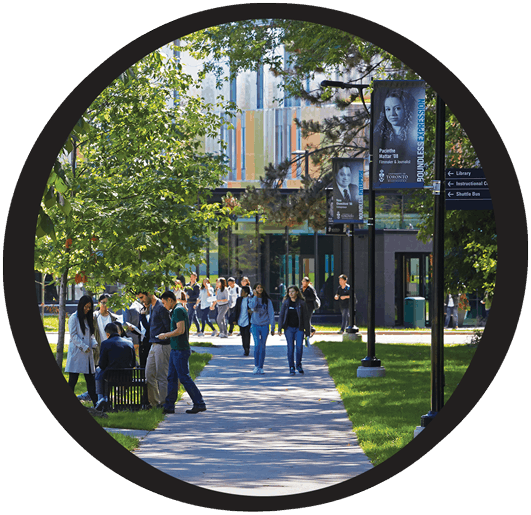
point(385, 411)
point(129, 442)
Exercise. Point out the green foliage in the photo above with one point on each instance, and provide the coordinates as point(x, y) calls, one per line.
point(313, 49)
point(132, 206)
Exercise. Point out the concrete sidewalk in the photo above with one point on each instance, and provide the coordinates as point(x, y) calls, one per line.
point(271, 434)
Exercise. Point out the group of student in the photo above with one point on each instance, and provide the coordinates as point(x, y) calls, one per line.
point(157, 332)
point(253, 312)
point(156, 329)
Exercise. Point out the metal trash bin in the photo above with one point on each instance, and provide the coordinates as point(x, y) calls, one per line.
point(415, 312)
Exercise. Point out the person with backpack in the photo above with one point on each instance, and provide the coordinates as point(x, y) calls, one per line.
point(312, 300)
point(262, 318)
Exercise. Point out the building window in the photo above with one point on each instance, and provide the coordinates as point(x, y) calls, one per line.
point(243, 145)
point(232, 133)
point(289, 100)
point(260, 87)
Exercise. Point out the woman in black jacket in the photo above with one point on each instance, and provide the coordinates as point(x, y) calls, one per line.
point(295, 322)
point(310, 296)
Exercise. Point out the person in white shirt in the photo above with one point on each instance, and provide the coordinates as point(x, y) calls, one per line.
point(203, 306)
point(234, 293)
point(101, 319)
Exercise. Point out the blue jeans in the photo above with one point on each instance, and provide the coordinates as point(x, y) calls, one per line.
point(294, 337)
point(259, 333)
point(192, 315)
point(345, 316)
point(451, 311)
point(204, 319)
point(179, 371)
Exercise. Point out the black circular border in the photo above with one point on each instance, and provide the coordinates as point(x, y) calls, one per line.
point(20, 230)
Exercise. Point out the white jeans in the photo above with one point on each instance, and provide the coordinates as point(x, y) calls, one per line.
point(157, 364)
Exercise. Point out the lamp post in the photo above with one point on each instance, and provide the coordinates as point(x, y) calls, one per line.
point(437, 331)
point(370, 365)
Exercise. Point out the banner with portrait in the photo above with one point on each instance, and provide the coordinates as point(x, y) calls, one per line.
point(346, 200)
point(398, 118)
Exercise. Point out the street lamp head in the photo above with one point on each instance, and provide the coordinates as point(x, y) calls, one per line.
point(342, 85)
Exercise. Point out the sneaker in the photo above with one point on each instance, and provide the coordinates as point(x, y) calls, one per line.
point(256, 370)
point(230, 334)
point(196, 409)
point(167, 411)
point(291, 371)
point(200, 334)
point(299, 369)
point(340, 332)
point(223, 336)
point(84, 397)
point(101, 405)
point(214, 333)
point(261, 371)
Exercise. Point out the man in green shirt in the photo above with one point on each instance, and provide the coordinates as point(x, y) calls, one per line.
point(179, 355)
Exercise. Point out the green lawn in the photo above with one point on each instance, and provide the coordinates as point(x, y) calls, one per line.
point(385, 411)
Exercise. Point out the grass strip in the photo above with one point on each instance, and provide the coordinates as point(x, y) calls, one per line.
point(385, 411)
point(129, 442)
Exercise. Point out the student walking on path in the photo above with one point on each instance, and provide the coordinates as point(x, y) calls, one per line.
point(242, 318)
point(295, 322)
point(178, 369)
point(222, 303)
point(310, 296)
point(203, 306)
point(262, 319)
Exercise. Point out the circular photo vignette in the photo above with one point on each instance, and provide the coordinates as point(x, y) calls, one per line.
point(20, 232)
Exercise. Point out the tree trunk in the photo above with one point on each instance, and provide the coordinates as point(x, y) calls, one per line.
point(62, 319)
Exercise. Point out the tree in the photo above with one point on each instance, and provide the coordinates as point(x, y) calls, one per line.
point(131, 206)
point(314, 49)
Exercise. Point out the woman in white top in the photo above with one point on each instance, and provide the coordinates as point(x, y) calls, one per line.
point(203, 306)
point(80, 358)
point(222, 302)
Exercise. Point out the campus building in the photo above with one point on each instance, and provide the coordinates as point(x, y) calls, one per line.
point(264, 132)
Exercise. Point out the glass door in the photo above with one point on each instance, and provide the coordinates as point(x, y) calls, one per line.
point(412, 279)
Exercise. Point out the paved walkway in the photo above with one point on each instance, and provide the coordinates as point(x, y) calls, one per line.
point(271, 434)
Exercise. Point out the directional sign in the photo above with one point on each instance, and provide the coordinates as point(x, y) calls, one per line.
point(464, 173)
point(466, 189)
point(466, 183)
point(468, 194)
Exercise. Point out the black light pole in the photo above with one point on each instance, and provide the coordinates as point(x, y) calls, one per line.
point(371, 360)
point(437, 330)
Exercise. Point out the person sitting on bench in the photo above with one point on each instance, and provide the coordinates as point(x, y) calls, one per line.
point(115, 353)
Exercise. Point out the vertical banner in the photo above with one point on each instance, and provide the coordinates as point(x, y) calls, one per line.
point(346, 205)
point(398, 133)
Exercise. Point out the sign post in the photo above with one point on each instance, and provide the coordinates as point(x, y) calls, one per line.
point(467, 189)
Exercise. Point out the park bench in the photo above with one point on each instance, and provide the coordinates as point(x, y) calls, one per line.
point(126, 389)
